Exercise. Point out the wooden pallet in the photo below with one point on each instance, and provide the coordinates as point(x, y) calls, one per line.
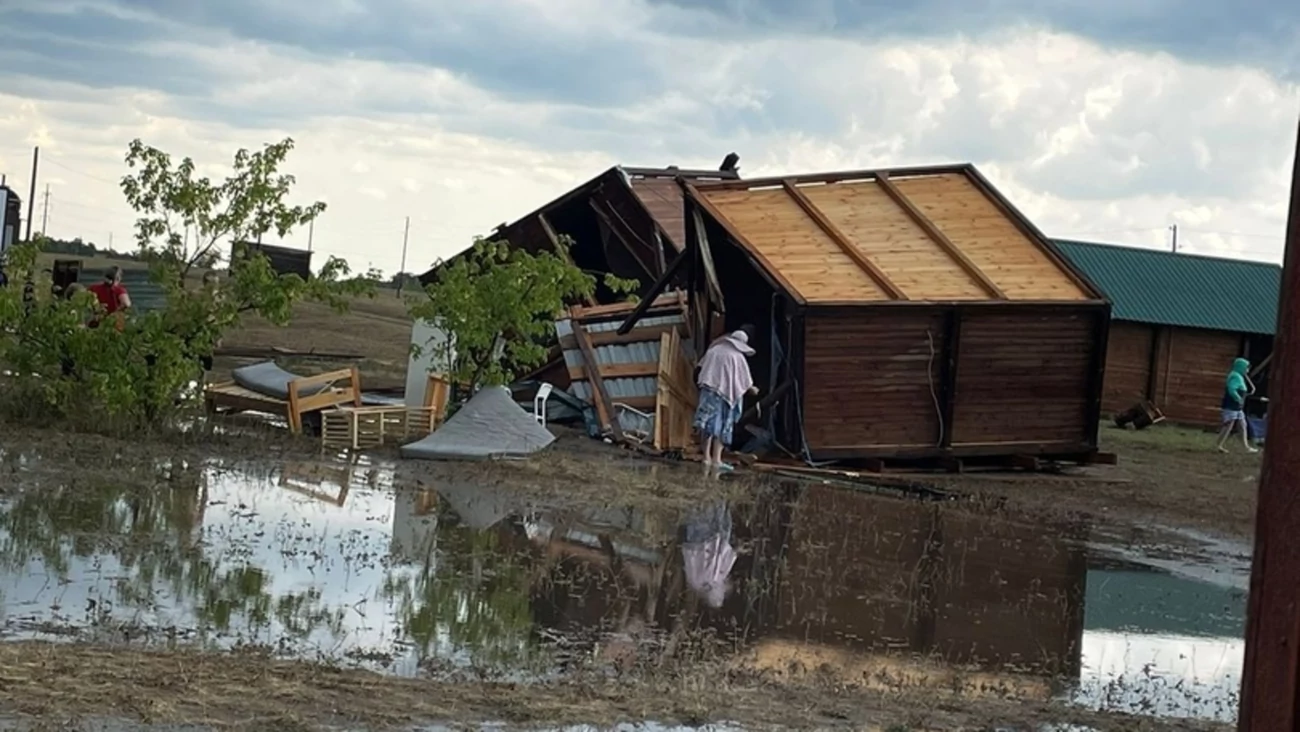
point(366, 427)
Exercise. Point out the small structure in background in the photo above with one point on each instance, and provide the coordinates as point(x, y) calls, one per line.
point(627, 222)
point(640, 381)
point(284, 260)
point(1178, 322)
point(904, 315)
point(11, 214)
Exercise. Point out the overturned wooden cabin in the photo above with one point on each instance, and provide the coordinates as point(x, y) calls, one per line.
point(906, 314)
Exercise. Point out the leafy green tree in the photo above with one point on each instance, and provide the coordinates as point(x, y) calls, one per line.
point(137, 370)
point(498, 304)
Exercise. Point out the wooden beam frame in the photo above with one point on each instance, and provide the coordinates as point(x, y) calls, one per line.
point(1097, 371)
point(622, 230)
point(765, 265)
point(659, 286)
point(948, 395)
point(604, 404)
point(838, 177)
point(938, 237)
point(833, 232)
point(560, 250)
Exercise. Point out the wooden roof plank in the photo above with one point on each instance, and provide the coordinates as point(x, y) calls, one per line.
point(1032, 232)
point(848, 247)
point(939, 237)
point(703, 202)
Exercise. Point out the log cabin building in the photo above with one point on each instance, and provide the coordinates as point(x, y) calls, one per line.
point(903, 315)
point(1178, 321)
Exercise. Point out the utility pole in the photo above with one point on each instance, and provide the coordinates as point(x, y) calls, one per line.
point(45, 209)
point(110, 241)
point(311, 232)
point(1174, 230)
point(401, 271)
point(1270, 686)
point(31, 193)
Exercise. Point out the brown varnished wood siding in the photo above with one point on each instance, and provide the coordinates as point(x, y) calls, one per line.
point(867, 378)
point(1189, 389)
point(1128, 365)
point(1024, 377)
point(662, 197)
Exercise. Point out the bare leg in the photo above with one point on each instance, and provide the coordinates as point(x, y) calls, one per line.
point(717, 451)
point(707, 448)
point(1224, 432)
point(1245, 436)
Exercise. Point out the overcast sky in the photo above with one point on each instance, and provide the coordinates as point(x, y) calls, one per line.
point(1102, 120)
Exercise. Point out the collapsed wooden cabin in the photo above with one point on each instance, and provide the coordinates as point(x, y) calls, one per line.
point(1178, 322)
point(906, 314)
point(627, 222)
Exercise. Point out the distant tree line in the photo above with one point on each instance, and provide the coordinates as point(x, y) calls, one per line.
point(78, 248)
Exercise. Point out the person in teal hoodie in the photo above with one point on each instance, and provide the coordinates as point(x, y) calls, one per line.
point(1235, 390)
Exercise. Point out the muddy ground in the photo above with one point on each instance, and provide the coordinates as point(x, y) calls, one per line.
point(1167, 477)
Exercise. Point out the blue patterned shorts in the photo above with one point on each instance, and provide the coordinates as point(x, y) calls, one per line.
point(714, 417)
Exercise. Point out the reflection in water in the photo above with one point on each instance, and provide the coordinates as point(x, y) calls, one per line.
point(328, 561)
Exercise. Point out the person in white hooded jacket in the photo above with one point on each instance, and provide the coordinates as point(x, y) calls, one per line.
point(724, 381)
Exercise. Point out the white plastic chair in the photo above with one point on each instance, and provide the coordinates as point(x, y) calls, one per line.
point(539, 402)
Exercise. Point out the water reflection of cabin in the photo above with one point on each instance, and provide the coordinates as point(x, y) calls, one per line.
point(907, 314)
point(874, 575)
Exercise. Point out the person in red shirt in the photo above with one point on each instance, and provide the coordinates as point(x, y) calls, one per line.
point(112, 296)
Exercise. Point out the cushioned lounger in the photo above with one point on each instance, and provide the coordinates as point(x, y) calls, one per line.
point(270, 380)
point(490, 425)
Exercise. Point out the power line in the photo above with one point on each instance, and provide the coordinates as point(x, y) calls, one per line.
point(83, 174)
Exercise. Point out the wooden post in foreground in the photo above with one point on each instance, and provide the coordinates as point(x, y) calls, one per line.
point(1270, 685)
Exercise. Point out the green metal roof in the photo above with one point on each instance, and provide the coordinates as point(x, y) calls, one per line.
point(1188, 290)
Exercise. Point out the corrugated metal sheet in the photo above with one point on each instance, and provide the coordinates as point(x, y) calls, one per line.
point(146, 295)
point(621, 388)
point(1187, 290)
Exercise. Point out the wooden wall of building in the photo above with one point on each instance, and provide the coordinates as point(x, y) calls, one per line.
point(1026, 377)
point(921, 381)
point(1180, 370)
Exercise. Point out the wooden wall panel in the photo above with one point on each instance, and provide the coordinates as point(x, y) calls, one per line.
point(1024, 377)
point(1128, 365)
point(868, 376)
point(1190, 387)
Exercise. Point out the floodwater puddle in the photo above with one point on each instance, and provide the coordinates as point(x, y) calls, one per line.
point(358, 563)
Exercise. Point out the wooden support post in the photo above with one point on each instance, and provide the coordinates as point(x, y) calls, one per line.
point(948, 391)
point(848, 247)
point(938, 237)
point(648, 301)
point(604, 405)
point(560, 250)
point(1270, 683)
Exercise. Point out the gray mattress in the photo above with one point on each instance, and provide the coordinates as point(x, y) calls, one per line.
point(270, 380)
point(491, 425)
